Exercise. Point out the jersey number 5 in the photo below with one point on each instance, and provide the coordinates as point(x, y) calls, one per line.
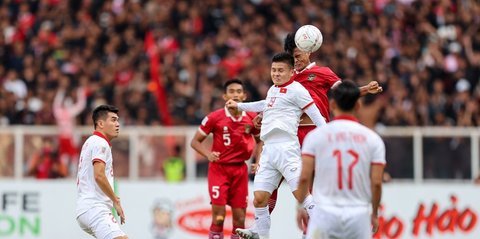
point(226, 139)
point(339, 155)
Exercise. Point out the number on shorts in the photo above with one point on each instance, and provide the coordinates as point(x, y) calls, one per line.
point(338, 154)
point(215, 192)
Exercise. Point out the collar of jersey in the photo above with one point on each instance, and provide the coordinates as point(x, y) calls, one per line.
point(306, 68)
point(102, 136)
point(346, 117)
point(227, 113)
point(286, 83)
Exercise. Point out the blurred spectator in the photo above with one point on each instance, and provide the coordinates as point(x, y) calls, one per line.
point(46, 164)
point(65, 112)
point(174, 166)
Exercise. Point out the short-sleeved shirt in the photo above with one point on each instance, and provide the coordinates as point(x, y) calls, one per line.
point(318, 80)
point(89, 194)
point(344, 151)
point(285, 105)
point(232, 137)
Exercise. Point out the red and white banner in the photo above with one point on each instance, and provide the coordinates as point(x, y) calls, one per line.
point(46, 209)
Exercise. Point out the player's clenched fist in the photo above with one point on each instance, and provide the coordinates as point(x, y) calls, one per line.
point(374, 87)
point(231, 104)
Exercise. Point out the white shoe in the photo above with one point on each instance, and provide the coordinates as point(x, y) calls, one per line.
point(247, 234)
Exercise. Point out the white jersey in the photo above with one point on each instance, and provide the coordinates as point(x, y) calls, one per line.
point(284, 106)
point(343, 150)
point(89, 194)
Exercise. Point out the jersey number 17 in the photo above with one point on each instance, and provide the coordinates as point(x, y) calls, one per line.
point(340, 156)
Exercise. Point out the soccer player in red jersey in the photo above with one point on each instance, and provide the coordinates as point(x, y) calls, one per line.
point(318, 80)
point(234, 137)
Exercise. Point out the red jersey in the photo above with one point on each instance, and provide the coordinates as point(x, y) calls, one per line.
point(232, 137)
point(318, 80)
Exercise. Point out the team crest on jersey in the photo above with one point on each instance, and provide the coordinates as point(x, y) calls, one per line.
point(311, 77)
point(248, 129)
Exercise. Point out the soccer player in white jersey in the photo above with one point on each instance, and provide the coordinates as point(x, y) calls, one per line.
point(286, 101)
point(96, 197)
point(348, 159)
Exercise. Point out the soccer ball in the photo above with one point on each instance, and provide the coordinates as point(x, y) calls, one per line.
point(308, 38)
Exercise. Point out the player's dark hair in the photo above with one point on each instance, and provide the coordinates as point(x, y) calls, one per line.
point(289, 43)
point(346, 95)
point(283, 57)
point(101, 112)
point(232, 81)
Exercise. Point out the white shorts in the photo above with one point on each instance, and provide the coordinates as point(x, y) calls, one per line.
point(339, 222)
point(278, 160)
point(100, 223)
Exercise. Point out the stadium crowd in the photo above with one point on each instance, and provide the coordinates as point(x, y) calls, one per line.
point(425, 54)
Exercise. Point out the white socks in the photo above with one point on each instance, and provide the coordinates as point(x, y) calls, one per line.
point(262, 221)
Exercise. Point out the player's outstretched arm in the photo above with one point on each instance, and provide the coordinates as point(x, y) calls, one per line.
point(371, 88)
point(376, 175)
point(257, 106)
point(102, 182)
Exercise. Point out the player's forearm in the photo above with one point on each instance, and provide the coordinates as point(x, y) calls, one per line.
point(302, 189)
point(197, 146)
point(257, 106)
point(314, 114)
point(258, 150)
point(376, 197)
point(104, 185)
point(363, 90)
point(305, 177)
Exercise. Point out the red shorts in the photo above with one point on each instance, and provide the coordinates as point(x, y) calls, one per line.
point(228, 184)
point(303, 131)
point(66, 146)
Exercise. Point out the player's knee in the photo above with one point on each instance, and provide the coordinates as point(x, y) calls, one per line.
point(261, 199)
point(218, 219)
